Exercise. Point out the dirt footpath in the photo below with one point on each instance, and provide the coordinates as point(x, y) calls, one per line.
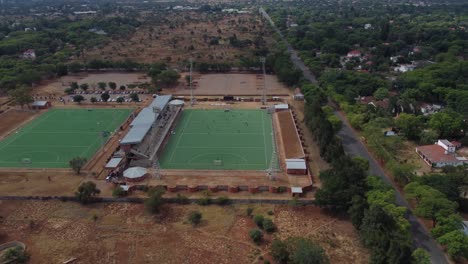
point(124, 233)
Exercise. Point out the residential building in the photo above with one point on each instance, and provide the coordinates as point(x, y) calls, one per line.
point(354, 54)
point(441, 154)
point(29, 54)
point(429, 109)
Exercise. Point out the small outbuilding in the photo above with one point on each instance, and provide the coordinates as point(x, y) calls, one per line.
point(39, 105)
point(296, 191)
point(296, 166)
point(114, 163)
point(298, 96)
point(280, 107)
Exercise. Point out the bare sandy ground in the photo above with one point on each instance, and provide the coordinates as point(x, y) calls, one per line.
point(232, 84)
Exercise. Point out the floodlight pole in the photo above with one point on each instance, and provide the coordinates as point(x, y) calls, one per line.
point(262, 60)
point(190, 83)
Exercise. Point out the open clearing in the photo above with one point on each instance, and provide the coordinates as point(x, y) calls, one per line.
point(123, 233)
point(240, 84)
point(58, 135)
point(220, 140)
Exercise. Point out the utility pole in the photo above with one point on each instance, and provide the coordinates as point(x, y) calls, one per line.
point(192, 100)
point(262, 60)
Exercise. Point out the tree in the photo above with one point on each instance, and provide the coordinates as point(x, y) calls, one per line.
point(15, 255)
point(195, 218)
point(305, 251)
point(222, 200)
point(118, 192)
point(21, 96)
point(84, 86)
point(78, 98)
point(74, 85)
point(381, 93)
point(420, 256)
point(447, 224)
point(427, 137)
point(93, 99)
point(456, 243)
point(120, 100)
point(77, 163)
point(122, 87)
point(447, 123)
point(268, 225)
point(258, 220)
point(169, 77)
point(134, 97)
point(381, 234)
point(357, 209)
point(430, 207)
point(86, 192)
point(105, 97)
point(410, 125)
point(279, 251)
point(155, 70)
point(102, 85)
point(256, 235)
point(155, 201)
point(341, 183)
point(112, 85)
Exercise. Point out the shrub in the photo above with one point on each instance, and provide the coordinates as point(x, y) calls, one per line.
point(195, 218)
point(258, 220)
point(268, 225)
point(279, 251)
point(223, 200)
point(15, 255)
point(281, 189)
point(270, 212)
point(181, 199)
point(118, 192)
point(86, 192)
point(294, 202)
point(249, 211)
point(256, 235)
point(204, 201)
point(154, 203)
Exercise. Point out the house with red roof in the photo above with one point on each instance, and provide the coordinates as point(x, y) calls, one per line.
point(441, 154)
point(354, 54)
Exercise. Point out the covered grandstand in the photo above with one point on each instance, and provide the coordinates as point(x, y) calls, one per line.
point(148, 130)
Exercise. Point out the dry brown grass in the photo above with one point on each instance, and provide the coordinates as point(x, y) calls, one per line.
point(125, 233)
point(175, 36)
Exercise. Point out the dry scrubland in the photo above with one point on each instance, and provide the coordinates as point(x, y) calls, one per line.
point(123, 233)
point(175, 36)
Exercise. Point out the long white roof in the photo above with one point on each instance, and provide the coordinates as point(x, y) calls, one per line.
point(144, 120)
point(296, 164)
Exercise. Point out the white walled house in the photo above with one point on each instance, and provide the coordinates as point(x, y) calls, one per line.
point(441, 154)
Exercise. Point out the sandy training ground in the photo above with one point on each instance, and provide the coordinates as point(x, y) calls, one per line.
point(235, 84)
point(55, 232)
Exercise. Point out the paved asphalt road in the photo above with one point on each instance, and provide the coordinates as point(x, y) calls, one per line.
point(355, 147)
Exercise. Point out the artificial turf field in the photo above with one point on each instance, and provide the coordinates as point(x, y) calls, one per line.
point(219, 140)
point(59, 135)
